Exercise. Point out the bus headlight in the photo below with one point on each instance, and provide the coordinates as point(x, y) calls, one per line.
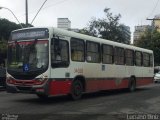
point(41, 80)
point(10, 80)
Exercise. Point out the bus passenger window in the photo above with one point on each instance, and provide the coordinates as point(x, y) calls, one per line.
point(77, 50)
point(93, 52)
point(107, 54)
point(138, 58)
point(146, 61)
point(59, 53)
point(119, 56)
point(129, 57)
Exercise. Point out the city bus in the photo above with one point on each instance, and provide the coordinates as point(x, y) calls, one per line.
point(52, 62)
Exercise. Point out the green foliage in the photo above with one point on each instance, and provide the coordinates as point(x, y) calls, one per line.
point(151, 40)
point(6, 27)
point(25, 26)
point(108, 28)
point(3, 49)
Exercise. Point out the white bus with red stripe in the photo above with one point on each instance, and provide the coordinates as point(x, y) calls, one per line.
point(52, 61)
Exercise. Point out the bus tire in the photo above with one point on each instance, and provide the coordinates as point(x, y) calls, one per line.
point(76, 90)
point(42, 96)
point(132, 84)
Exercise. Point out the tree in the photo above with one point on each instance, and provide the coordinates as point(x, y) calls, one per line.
point(108, 28)
point(3, 50)
point(25, 26)
point(151, 40)
point(6, 27)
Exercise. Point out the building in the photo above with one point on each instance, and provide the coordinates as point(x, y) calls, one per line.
point(126, 30)
point(156, 22)
point(64, 23)
point(139, 31)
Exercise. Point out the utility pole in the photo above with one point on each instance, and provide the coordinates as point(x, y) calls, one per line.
point(27, 13)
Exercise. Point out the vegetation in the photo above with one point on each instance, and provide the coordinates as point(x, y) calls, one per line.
point(151, 40)
point(6, 27)
point(108, 28)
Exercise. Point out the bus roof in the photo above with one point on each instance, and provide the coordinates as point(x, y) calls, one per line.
point(68, 33)
point(95, 39)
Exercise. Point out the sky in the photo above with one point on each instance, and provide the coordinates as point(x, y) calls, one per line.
point(80, 12)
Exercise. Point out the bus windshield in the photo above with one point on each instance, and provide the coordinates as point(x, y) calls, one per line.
point(28, 56)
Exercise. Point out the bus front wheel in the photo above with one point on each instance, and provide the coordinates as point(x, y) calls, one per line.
point(76, 90)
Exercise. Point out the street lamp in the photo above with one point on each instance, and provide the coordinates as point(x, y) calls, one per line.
point(13, 14)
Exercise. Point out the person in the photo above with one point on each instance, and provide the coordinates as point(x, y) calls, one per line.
point(58, 57)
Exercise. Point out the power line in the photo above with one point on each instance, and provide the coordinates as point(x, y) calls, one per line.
point(154, 8)
point(55, 4)
point(47, 7)
point(39, 11)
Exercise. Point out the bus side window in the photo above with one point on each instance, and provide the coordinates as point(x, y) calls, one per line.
point(129, 57)
point(138, 58)
point(77, 50)
point(107, 54)
point(59, 53)
point(146, 61)
point(119, 56)
point(93, 52)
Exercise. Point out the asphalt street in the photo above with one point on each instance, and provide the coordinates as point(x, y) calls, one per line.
point(144, 103)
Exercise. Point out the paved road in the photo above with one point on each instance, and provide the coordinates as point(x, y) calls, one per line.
point(110, 105)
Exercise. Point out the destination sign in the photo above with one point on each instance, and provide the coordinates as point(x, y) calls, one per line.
point(36, 33)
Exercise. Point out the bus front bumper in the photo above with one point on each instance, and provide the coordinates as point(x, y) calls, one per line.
point(26, 87)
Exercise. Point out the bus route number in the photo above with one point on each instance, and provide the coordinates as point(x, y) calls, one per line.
point(78, 70)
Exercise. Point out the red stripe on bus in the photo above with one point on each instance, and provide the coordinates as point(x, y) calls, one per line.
point(144, 81)
point(108, 84)
point(59, 87)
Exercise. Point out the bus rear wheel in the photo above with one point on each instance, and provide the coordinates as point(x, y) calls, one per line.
point(76, 90)
point(132, 84)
